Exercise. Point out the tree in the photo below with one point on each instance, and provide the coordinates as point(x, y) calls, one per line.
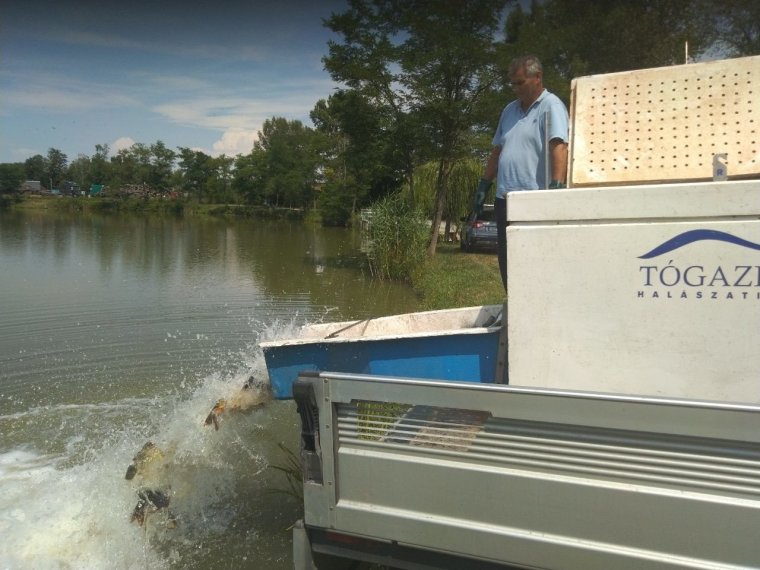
point(244, 179)
point(433, 59)
point(577, 37)
point(737, 25)
point(124, 168)
point(162, 162)
point(196, 168)
point(355, 142)
point(35, 168)
point(283, 164)
point(141, 156)
point(56, 165)
point(11, 177)
point(464, 176)
point(100, 172)
point(339, 188)
point(79, 170)
point(220, 186)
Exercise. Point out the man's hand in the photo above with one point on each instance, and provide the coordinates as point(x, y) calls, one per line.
point(480, 196)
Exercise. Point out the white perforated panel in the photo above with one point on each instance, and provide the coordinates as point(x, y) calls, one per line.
point(665, 124)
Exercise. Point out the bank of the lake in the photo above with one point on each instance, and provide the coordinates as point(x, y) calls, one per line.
point(450, 279)
point(159, 206)
point(453, 278)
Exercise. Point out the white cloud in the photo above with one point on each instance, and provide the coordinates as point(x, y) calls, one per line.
point(120, 144)
point(246, 111)
point(175, 83)
point(69, 98)
point(222, 113)
point(234, 142)
point(190, 48)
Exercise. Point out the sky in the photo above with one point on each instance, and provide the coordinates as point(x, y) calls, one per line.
point(201, 75)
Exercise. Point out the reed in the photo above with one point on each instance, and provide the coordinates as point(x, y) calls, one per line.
point(398, 239)
point(293, 472)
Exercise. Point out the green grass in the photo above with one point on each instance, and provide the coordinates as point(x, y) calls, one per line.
point(457, 279)
point(376, 418)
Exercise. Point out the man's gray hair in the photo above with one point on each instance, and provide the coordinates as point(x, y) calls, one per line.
point(530, 63)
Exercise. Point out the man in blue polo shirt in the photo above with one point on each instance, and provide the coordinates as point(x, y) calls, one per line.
point(518, 158)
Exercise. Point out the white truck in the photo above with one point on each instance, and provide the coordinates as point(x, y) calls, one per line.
point(627, 434)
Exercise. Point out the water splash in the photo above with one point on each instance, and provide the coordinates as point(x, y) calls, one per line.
point(71, 508)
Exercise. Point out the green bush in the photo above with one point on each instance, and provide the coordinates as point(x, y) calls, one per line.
point(9, 200)
point(313, 217)
point(334, 204)
point(398, 239)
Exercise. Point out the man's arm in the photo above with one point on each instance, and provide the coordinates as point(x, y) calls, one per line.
point(492, 166)
point(489, 174)
point(558, 150)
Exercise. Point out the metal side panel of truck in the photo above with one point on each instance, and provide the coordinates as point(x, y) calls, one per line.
point(649, 289)
point(426, 474)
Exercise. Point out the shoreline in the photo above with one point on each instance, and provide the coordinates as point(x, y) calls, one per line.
point(452, 278)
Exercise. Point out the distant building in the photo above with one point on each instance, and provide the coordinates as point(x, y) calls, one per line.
point(31, 187)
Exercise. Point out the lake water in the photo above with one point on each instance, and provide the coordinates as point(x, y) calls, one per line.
point(115, 331)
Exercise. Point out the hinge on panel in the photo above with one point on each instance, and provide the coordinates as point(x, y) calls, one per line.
point(311, 452)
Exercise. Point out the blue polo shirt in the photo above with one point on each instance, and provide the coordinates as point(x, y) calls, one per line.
point(521, 137)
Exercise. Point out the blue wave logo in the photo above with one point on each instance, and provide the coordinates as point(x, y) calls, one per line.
point(698, 235)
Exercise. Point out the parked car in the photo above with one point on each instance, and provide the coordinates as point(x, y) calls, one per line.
point(479, 233)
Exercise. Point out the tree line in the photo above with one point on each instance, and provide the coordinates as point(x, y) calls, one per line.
point(423, 84)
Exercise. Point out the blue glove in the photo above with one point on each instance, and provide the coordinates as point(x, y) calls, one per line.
point(556, 185)
point(480, 195)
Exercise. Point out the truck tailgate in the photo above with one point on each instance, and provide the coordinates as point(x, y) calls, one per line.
point(532, 477)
